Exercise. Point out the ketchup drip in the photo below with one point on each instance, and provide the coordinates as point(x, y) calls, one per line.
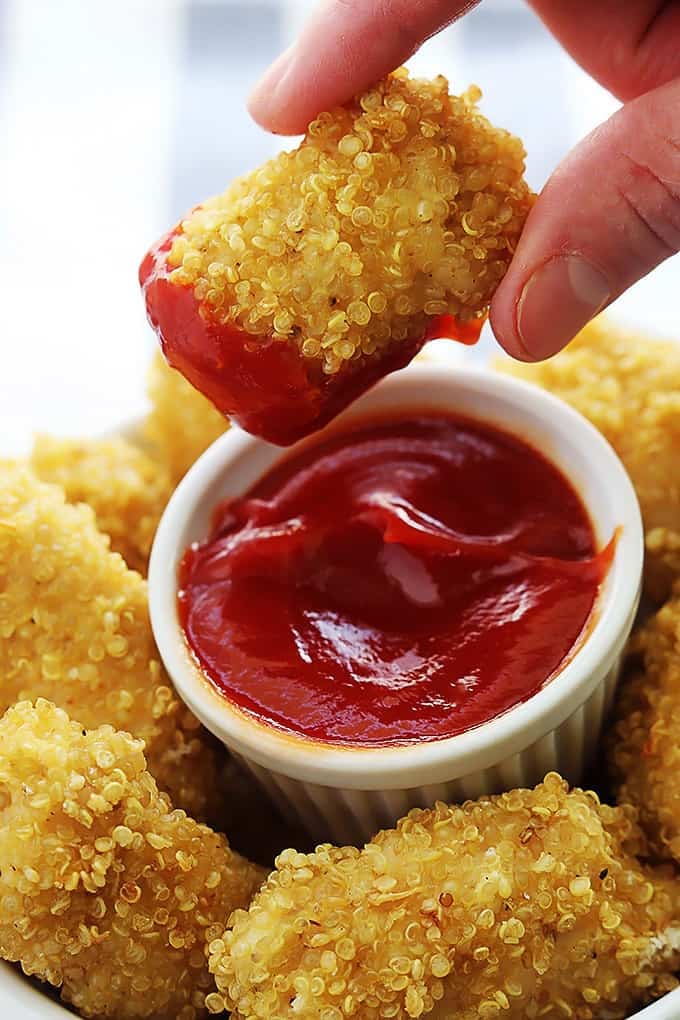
point(265, 386)
point(404, 582)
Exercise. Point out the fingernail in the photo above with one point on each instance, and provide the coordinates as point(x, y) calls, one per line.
point(262, 102)
point(557, 301)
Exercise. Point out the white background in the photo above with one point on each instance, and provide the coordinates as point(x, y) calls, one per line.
point(117, 117)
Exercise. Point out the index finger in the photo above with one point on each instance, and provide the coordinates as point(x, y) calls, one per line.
point(346, 46)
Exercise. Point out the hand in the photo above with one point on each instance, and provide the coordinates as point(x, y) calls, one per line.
point(611, 211)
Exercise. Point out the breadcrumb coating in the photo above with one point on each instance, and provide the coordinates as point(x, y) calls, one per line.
point(182, 422)
point(126, 488)
point(628, 385)
point(74, 628)
point(520, 906)
point(404, 205)
point(105, 891)
point(644, 741)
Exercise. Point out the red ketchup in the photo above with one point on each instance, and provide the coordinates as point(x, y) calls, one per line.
point(266, 386)
point(403, 582)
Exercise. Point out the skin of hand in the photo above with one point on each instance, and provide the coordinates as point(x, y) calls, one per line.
point(609, 214)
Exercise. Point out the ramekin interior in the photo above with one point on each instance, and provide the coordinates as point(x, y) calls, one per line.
point(236, 460)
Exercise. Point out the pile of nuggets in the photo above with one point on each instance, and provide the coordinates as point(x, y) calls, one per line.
point(118, 886)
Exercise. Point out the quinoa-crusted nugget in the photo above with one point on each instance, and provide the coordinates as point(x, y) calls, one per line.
point(74, 628)
point(520, 906)
point(126, 488)
point(327, 267)
point(105, 890)
point(182, 422)
point(644, 742)
point(628, 386)
point(662, 550)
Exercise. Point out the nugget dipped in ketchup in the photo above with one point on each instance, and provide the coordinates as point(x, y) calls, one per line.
point(309, 279)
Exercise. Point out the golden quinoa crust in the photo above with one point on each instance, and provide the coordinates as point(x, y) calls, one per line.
point(105, 891)
point(126, 488)
point(520, 906)
point(628, 385)
point(182, 422)
point(74, 628)
point(644, 741)
point(662, 563)
point(403, 205)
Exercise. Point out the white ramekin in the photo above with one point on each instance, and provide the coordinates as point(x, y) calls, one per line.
point(347, 794)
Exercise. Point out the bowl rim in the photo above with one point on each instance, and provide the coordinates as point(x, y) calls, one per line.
point(409, 765)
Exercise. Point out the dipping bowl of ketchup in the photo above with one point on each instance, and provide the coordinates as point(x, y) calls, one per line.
point(426, 600)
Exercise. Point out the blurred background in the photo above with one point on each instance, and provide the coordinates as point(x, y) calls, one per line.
point(115, 118)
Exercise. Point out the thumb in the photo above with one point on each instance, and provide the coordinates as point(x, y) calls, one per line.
point(609, 214)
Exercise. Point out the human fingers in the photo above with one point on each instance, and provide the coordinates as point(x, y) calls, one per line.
point(608, 215)
point(629, 47)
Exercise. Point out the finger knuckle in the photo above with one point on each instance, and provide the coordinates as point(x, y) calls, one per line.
point(646, 142)
point(653, 200)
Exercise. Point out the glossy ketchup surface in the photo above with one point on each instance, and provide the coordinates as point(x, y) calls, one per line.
point(403, 582)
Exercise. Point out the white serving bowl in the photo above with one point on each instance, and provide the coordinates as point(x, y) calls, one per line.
point(347, 793)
